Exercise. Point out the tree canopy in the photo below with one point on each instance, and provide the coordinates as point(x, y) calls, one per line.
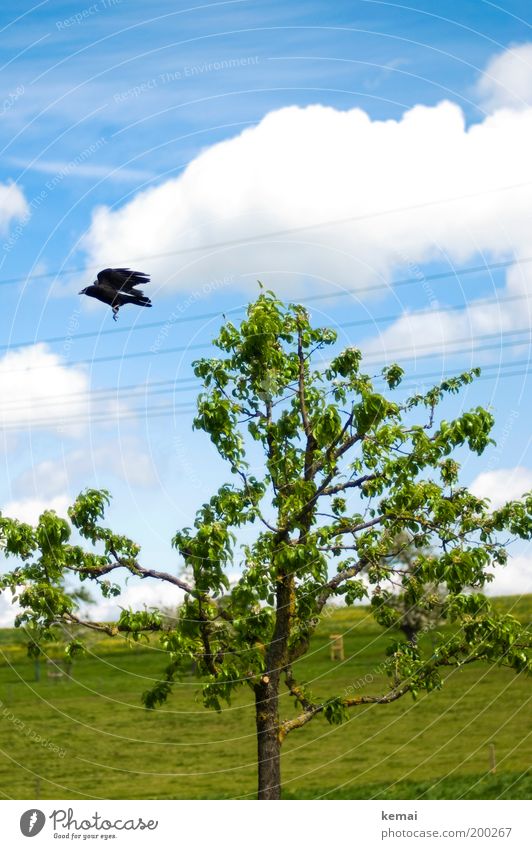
point(329, 470)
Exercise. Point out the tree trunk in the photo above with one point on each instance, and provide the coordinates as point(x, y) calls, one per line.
point(268, 744)
point(410, 633)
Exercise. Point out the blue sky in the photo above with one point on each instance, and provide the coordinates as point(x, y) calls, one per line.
point(112, 119)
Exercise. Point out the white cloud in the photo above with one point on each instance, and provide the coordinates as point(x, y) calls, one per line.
point(44, 480)
point(302, 166)
point(13, 205)
point(29, 509)
point(136, 596)
point(8, 610)
point(437, 330)
point(502, 485)
point(39, 390)
point(36, 387)
point(507, 80)
point(128, 462)
point(88, 466)
point(513, 579)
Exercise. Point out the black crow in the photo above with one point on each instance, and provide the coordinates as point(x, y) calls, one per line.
point(115, 286)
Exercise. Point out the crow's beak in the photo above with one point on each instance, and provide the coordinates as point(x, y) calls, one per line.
point(82, 292)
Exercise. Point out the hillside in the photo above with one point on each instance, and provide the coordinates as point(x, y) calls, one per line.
point(90, 736)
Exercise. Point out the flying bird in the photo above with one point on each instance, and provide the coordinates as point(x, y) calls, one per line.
point(116, 287)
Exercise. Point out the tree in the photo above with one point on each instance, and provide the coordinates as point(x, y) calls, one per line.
point(425, 611)
point(343, 470)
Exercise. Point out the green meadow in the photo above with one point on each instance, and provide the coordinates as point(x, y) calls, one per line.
point(88, 736)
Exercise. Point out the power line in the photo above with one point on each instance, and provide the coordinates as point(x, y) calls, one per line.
point(509, 374)
point(77, 421)
point(445, 350)
point(425, 278)
point(202, 346)
point(479, 304)
point(287, 231)
point(185, 409)
point(355, 323)
point(114, 357)
point(116, 330)
point(130, 387)
point(145, 391)
point(411, 383)
point(496, 365)
point(89, 400)
point(412, 380)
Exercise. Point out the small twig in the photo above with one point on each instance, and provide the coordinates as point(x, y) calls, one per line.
point(112, 630)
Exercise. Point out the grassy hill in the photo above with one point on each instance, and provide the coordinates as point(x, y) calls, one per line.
point(90, 737)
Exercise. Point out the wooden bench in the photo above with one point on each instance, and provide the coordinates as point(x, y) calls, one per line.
point(57, 669)
point(337, 646)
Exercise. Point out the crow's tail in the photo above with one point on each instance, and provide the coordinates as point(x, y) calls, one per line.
point(140, 301)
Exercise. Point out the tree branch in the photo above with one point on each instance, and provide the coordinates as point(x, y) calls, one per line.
point(311, 442)
point(351, 484)
point(204, 631)
point(301, 386)
point(111, 630)
point(312, 710)
point(335, 582)
point(320, 463)
point(296, 691)
point(353, 529)
point(259, 514)
point(136, 569)
point(96, 571)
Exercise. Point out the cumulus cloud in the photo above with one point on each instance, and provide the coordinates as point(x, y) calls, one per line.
point(136, 596)
point(507, 80)
point(8, 610)
point(82, 467)
point(29, 509)
point(301, 166)
point(13, 205)
point(502, 485)
point(128, 462)
point(447, 332)
point(34, 383)
point(45, 479)
point(513, 579)
point(39, 390)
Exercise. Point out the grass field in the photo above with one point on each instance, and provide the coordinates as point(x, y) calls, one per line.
point(90, 737)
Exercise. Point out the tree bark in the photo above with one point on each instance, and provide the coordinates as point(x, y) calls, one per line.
point(410, 633)
point(268, 743)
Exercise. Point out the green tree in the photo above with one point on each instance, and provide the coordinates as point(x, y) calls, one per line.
point(423, 612)
point(343, 470)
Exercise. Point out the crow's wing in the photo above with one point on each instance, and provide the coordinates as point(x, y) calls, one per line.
point(122, 280)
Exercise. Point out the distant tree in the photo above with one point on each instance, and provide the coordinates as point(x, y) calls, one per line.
point(339, 470)
point(420, 611)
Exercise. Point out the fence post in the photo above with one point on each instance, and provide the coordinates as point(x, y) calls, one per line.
point(492, 757)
